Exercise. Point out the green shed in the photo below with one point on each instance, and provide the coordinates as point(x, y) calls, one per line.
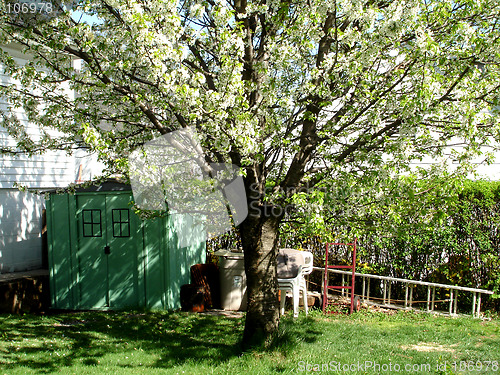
point(103, 256)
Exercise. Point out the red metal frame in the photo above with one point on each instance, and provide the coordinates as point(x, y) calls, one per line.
point(327, 267)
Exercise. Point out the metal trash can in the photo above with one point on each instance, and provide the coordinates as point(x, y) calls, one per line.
point(233, 282)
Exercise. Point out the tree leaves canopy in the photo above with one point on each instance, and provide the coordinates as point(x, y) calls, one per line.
point(296, 92)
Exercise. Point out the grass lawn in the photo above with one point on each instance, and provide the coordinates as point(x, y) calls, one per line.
point(183, 343)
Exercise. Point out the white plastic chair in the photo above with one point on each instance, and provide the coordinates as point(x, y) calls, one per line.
point(293, 265)
point(307, 268)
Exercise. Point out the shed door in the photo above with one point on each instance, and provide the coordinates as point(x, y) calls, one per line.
point(110, 243)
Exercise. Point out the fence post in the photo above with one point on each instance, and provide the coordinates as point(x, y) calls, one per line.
point(455, 303)
point(433, 304)
point(385, 292)
point(411, 296)
point(343, 284)
point(428, 298)
point(451, 301)
point(363, 290)
point(406, 295)
point(389, 294)
point(474, 296)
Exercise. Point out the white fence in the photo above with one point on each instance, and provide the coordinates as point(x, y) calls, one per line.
point(409, 286)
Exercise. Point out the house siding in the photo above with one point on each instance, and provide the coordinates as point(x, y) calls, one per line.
point(21, 227)
point(21, 212)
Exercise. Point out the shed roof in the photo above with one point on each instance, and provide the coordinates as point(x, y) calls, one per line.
point(112, 184)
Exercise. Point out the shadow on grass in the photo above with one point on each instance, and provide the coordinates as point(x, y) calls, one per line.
point(46, 344)
point(294, 331)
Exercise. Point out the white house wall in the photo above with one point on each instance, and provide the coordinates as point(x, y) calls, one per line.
point(21, 212)
point(20, 237)
point(482, 170)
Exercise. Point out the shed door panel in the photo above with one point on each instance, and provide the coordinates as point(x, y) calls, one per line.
point(125, 242)
point(110, 239)
point(92, 261)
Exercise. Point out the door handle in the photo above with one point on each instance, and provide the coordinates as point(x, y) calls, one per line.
point(107, 250)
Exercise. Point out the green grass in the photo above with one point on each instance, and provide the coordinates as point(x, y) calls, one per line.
point(182, 343)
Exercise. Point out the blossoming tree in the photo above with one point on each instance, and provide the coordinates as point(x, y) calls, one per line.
point(294, 92)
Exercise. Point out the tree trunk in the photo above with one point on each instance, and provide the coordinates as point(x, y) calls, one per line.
point(259, 237)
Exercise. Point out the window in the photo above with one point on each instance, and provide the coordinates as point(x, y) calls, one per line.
point(92, 223)
point(121, 222)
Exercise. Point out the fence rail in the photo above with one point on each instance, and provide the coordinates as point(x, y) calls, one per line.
point(409, 285)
